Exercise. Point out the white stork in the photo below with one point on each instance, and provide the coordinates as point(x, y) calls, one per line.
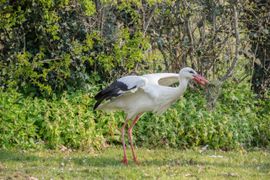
point(148, 93)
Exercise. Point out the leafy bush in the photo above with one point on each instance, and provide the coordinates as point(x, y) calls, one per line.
point(17, 124)
point(237, 121)
point(190, 123)
point(29, 123)
point(261, 133)
point(49, 47)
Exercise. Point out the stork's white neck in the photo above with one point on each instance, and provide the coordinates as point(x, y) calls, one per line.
point(176, 93)
point(183, 83)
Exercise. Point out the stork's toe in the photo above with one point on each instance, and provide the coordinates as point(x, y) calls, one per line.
point(125, 161)
point(136, 161)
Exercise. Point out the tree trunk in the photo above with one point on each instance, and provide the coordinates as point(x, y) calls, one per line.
point(260, 35)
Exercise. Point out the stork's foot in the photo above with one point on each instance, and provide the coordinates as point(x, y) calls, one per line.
point(125, 161)
point(136, 161)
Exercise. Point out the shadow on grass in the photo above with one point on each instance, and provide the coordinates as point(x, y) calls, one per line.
point(96, 161)
point(115, 161)
point(260, 167)
point(16, 156)
point(6, 155)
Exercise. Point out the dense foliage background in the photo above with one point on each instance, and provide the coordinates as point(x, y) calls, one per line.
point(56, 54)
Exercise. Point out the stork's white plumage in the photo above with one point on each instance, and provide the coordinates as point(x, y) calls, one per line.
point(148, 93)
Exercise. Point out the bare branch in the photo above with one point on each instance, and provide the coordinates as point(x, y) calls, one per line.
point(237, 43)
point(50, 60)
point(146, 25)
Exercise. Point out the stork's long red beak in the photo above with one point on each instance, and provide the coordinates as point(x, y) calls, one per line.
point(200, 79)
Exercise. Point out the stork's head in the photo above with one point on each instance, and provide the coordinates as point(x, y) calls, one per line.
point(190, 73)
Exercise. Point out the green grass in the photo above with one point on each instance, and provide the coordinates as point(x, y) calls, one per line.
point(155, 164)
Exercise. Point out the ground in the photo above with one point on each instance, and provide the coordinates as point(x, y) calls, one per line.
point(155, 164)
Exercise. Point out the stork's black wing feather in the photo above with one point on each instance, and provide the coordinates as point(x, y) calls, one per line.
point(118, 88)
point(111, 91)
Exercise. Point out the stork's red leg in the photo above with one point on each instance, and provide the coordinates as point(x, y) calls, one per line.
point(125, 161)
point(130, 137)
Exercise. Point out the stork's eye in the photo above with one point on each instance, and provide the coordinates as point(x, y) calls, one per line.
point(192, 72)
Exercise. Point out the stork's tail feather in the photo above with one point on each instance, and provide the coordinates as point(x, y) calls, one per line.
point(103, 95)
point(97, 104)
point(100, 97)
point(110, 92)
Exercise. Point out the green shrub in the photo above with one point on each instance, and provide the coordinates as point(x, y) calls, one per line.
point(29, 123)
point(238, 120)
point(233, 123)
point(49, 47)
point(17, 124)
point(261, 133)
